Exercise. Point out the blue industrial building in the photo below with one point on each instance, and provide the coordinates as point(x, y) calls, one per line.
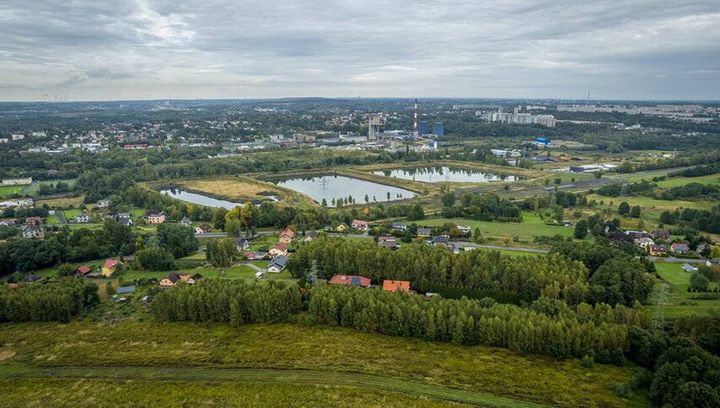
point(439, 129)
point(423, 127)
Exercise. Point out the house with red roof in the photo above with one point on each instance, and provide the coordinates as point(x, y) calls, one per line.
point(360, 225)
point(281, 248)
point(396, 285)
point(83, 270)
point(109, 267)
point(286, 236)
point(350, 280)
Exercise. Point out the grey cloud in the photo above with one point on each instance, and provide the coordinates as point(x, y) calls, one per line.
point(220, 48)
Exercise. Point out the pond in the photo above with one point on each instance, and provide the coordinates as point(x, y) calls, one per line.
point(445, 174)
point(334, 187)
point(199, 199)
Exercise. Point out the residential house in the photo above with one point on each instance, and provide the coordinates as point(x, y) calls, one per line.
point(154, 217)
point(341, 228)
point(661, 234)
point(255, 256)
point(703, 247)
point(281, 248)
point(33, 221)
point(102, 204)
point(399, 226)
point(17, 202)
point(31, 231)
point(170, 280)
point(689, 268)
point(644, 242)
point(185, 221)
point(83, 270)
point(109, 266)
point(82, 219)
point(360, 225)
point(310, 236)
point(396, 286)
point(242, 244)
point(203, 229)
point(619, 236)
point(286, 236)
point(31, 278)
point(350, 280)
point(190, 279)
point(657, 250)
point(8, 222)
point(277, 264)
point(124, 219)
point(423, 232)
point(636, 234)
point(679, 248)
point(387, 241)
point(464, 229)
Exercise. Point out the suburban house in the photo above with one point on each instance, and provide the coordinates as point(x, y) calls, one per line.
point(619, 236)
point(661, 234)
point(255, 256)
point(281, 248)
point(644, 242)
point(286, 236)
point(124, 219)
point(185, 221)
point(396, 286)
point(33, 221)
point(8, 222)
point(310, 235)
point(424, 232)
point(83, 270)
point(464, 229)
point(277, 264)
point(657, 250)
point(680, 248)
point(360, 225)
point(202, 229)
point(173, 277)
point(170, 280)
point(82, 219)
point(32, 231)
point(350, 280)
point(102, 204)
point(387, 241)
point(341, 228)
point(702, 247)
point(242, 244)
point(399, 226)
point(109, 267)
point(154, 217)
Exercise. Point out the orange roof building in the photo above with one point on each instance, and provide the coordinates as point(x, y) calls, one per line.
point(396, 285)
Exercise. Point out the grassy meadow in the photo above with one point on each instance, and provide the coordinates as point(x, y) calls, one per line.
point(680, 301)
point(125, 354)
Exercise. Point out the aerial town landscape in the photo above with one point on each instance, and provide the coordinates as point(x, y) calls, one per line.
point(190, 243)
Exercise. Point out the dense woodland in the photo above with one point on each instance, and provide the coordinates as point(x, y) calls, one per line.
point(56, 301)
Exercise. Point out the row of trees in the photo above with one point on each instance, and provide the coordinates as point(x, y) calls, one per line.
point(44, 302)
point(435, 269)
point(487, 207)
point(472, 322)
point(701, 220)
point(232, 301)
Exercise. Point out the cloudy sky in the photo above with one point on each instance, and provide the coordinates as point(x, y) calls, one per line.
point(145, 49)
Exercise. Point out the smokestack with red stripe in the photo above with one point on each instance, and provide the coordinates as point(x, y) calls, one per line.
point(415, 122)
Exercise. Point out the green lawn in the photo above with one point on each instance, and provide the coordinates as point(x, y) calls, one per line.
point(532, 226)
point(681, 181)
point(680, 301)
point(127, 353)
point(6, 191)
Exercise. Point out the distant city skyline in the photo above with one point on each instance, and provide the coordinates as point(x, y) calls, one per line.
point(142, 49)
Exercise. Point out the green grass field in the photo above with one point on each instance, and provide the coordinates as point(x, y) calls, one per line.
point(680, 301)
point(531, 227)
point(6, 191)
point(713, 179)
point(134, 356)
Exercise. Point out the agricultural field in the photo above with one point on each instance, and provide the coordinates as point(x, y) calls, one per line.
point(63, 202)
point(680, 301)
point(651, 208)
point(126, 354)
point(7, 191)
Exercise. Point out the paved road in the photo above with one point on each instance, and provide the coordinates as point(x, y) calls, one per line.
point(466, 244)
point(212, 235)
point(677, 260)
